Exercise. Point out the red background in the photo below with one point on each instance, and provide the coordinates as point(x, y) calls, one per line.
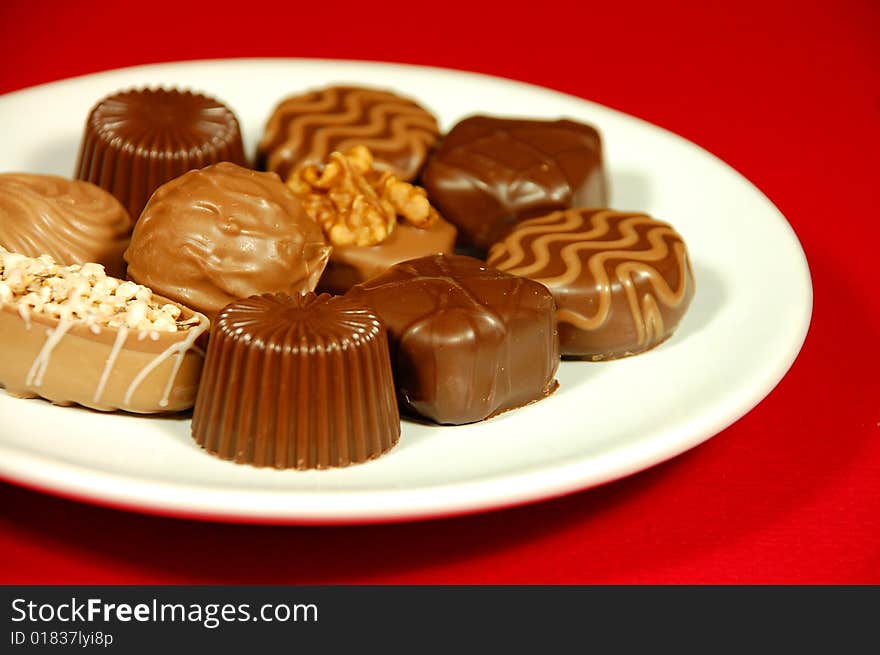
point(788, 94)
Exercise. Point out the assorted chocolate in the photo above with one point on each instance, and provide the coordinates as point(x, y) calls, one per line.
point(136, 140)
point(74, 222)
point(305, 129)
point(298, 381)
point(361, 197)
point(467, 341)
point(222, 233)
point(621, 280)
point(488, 173)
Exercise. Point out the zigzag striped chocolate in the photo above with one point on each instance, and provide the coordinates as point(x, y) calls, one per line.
point(622, 281)
point(307, 128)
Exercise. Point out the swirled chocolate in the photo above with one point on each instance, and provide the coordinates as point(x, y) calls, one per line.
point(622, 281)
point(305, 129)
point(350, 265)
point(297, 382)
point(222, 233)
point(467, 341)
point(488, 173)
point(136, 140)
point(73, 221)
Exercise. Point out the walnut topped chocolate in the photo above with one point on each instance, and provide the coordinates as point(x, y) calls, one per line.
point(372, 218)
point(355, 203)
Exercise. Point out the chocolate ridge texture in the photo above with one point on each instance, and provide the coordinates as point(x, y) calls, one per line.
point(75, 222)
point(137, 139)
point(490, 172)
point(467, 341)
point(222, 233)
point(297, 382)
point(305, 129)
point(622, 280)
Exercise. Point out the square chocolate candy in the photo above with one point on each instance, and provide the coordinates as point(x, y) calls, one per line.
point(489, 173)
point(467, 341)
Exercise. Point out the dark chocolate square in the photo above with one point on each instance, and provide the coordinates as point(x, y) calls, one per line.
point(488, 173)
point(467, 341)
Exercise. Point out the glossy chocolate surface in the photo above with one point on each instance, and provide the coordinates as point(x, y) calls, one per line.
point(297, 382)
point(351, 265)
point(73, 221)
point(467, 341)
point(622, 281)
point(222, 233)
point(488, 173)
point(305, 129)
point(136, 140)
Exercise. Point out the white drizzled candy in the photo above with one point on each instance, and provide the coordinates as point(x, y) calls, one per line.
point(71, 334)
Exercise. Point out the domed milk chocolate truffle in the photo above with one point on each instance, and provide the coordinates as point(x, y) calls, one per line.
point(222, 233)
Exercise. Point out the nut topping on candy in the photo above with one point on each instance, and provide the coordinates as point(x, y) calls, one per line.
point(354, 203)
point(74, 335)
point(82, 292)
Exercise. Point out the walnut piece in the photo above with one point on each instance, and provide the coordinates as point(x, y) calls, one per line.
point(354, 203)
point(409, 202)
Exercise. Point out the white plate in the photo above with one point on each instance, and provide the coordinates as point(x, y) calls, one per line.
point(742, 332)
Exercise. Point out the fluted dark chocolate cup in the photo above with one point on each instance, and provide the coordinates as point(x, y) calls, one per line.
point(297, 382)
point(136, 140)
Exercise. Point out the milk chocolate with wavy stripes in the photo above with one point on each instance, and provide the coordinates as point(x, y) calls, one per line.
point(467, 341)
point(73, 221)
point(489, 173)
point(622, 280)
point(305, 129)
